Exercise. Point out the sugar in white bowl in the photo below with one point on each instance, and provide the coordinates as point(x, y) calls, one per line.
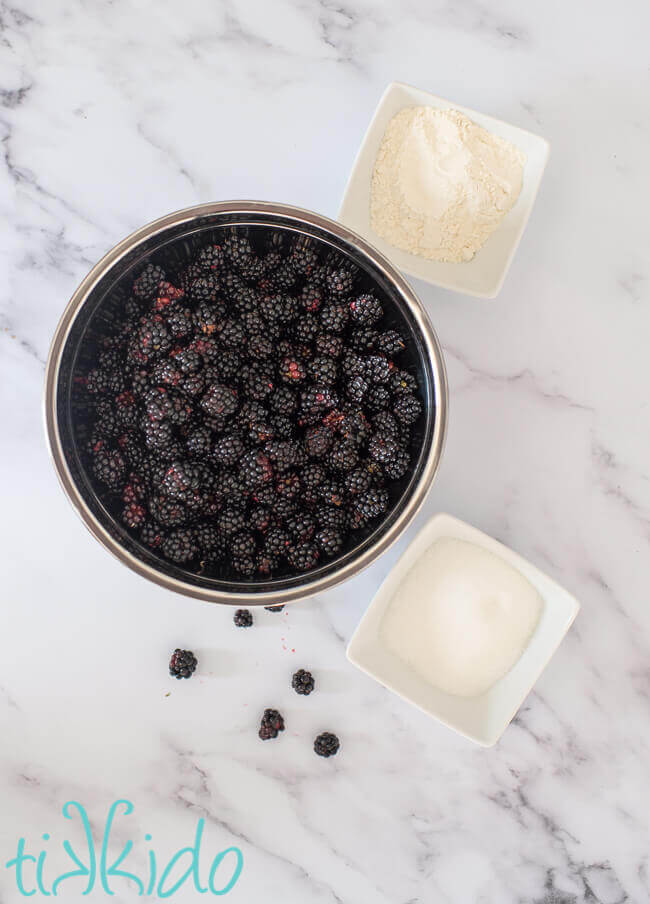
point(461, 618)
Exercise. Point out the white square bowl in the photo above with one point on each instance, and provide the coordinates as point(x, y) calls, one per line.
point(482, 719)
point(483, 276)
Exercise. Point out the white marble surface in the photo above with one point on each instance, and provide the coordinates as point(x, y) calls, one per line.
point(113, 113)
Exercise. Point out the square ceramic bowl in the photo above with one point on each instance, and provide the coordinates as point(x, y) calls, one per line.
point(482, 719)
point(483, 276)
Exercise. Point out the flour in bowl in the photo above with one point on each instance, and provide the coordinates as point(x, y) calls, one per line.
point(442, 184)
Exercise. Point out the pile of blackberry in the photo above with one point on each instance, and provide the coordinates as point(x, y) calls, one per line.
point(249, 414)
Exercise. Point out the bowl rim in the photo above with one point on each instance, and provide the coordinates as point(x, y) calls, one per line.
point(243, 208)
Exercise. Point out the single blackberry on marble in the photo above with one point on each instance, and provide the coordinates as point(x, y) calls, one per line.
point(271, 724)
point(326, 744)
point(243, 618)
point(182, 664)
point(303, 682)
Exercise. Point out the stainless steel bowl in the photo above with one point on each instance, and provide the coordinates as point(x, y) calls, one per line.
point(91, 305)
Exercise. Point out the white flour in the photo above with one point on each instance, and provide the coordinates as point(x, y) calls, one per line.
point(441, 184)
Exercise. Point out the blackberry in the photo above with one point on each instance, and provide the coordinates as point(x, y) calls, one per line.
point(364, 340)
point(357, 481)
point(259, 518)
point(383, 448)
point(303, 256)
point(284, 454)
point(187, 360)
point(228, 363)
point(303, 682)
point(260, 347)
point(401, 382)
point(371, 504)
point(146, 285)
point(133, 515)
point(284, 509)
point(377, 398)
point(328, 344)
point(284, 276)
point(292, 370)
point(316, 400)
point(232, 334)
point(158, 435)
point(219, 401)
point(271, 724)
point(378, 369)
point(243, 618)
point(277, 543)
point(323, 370)
point(208, 318)
point(243, 545)
point(326, 744)
point(340, 281)
point(407, 409)
point(257, 383)
point(193, 385)
point(352, 364)
point(318, 441)
point(343, 456)
point(208, 348)
point(384, 422)
point(182, 664)
point(208, 542)
point(153, 337)
point(237, 249)
point(301, 527)
point(366, 310)
point(282, 426)
point(398, 467)
point(283, 400)
point(245, 301)
point(204, 289)
point(210, 258)
point(356, 388)
point(303, 556)
point(178, 546)
point(330, 541)
point(97, 381)
point(230, 520)
point(168, 512)
point(331, 493)
point(328, 516)
point(228, 449)
point(306, 328)
point(390, 343)
point(243, 565)
point(183, 480)
point(334, 318)
point(164, 404)
point(311, 298)
point(151, 535)
point(254, 470)
point(167, 297)
point(312, 474)
point(109, 467)
point(354, 426)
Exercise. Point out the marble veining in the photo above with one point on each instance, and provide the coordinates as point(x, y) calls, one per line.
point(114, 113)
